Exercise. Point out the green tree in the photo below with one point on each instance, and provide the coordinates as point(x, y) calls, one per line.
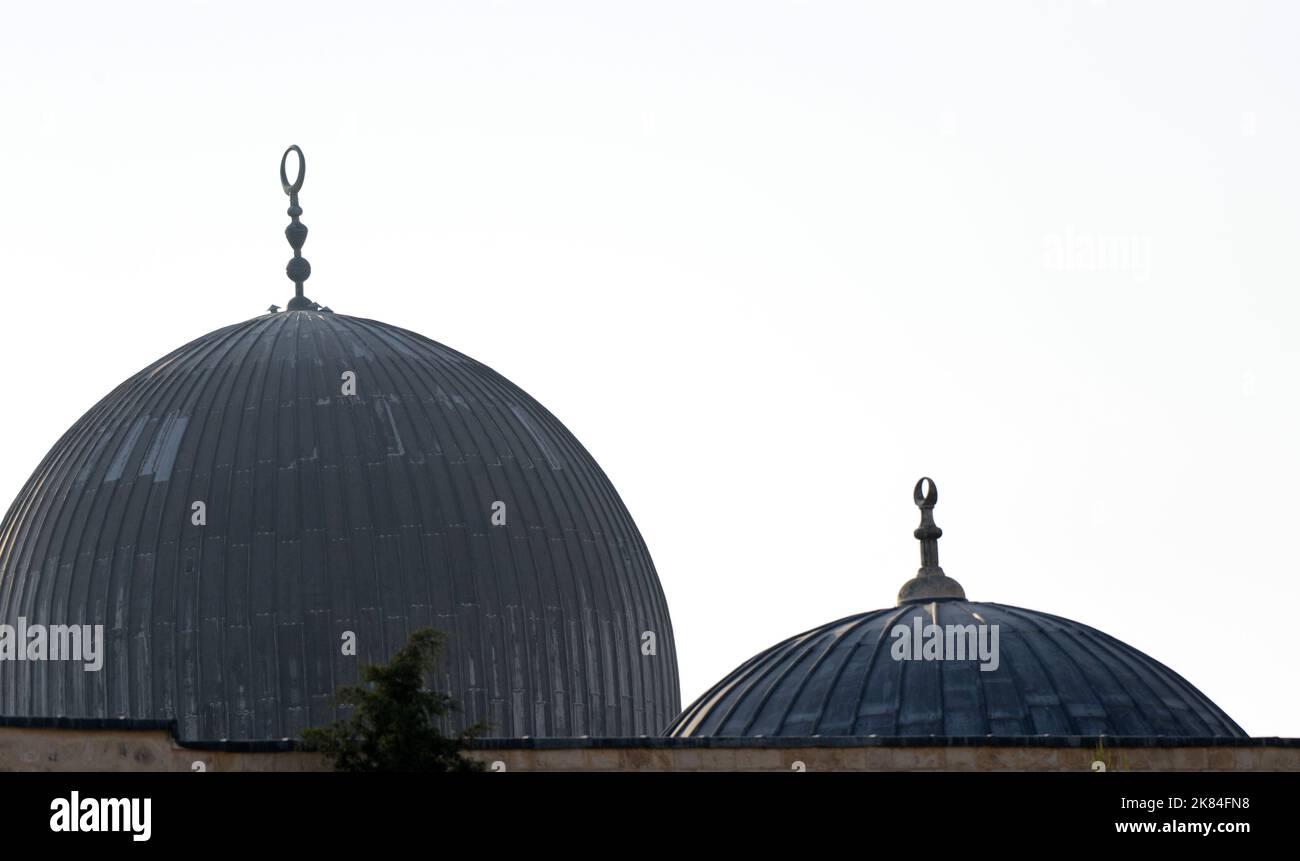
point(393, 725)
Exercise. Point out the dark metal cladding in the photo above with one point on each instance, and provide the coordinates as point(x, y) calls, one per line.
point(329, 512)
point(1044, 675)
point(1054, 677)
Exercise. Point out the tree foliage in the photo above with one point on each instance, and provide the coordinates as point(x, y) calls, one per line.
point(393, 724)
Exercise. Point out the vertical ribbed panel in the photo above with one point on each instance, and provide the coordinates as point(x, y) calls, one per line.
point(329, 513)
point(1054, 677)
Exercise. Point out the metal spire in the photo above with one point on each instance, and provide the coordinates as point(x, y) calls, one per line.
point(930, 583)
point(298, 270)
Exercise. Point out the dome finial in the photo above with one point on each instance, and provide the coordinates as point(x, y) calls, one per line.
point(930, 583)
point(298, 270)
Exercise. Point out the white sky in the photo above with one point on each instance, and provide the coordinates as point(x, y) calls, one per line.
point(770, 262)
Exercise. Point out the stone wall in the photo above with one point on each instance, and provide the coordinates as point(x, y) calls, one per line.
point(895, 758)
point(28, 745)
point(64, 749)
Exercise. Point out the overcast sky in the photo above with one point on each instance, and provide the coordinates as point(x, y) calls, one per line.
point(770, 262)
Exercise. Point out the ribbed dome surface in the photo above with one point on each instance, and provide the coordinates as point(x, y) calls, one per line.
point(1054, 677)
point(330, 512)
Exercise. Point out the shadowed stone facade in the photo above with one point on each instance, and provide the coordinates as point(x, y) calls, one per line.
point(150, 746)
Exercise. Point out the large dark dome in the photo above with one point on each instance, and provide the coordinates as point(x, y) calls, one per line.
point(867, 675)
point(329, 512)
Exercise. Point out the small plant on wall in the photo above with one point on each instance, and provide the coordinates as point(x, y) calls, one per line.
point(393, 725)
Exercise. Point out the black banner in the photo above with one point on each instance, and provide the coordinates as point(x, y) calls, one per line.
point(640, 813)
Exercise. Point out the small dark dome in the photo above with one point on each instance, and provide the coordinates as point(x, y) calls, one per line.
point(1054, 677)
point(329, 510)
point(938, 664)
